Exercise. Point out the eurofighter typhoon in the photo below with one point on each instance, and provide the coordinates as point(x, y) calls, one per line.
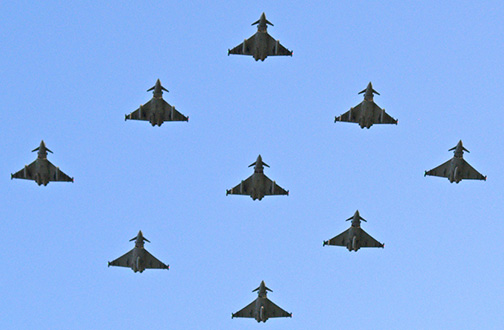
point(367, 112)
point(157, 110)
point(262, 308)
point(354, 237)
point(41, 170)
point(139, 258)
point(261, 44)
point(257, 185)
point(456, 168)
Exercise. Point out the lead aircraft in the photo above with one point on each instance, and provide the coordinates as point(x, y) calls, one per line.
point(261, 44)
point(41, 170)
point(157, 110)
point(367, 112)
point(456, 168)
point(354, 237)
point(138, 259)
point(257, 185)
point(262, 308)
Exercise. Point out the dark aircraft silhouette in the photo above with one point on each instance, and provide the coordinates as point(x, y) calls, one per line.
point(41, 170)
point(257, 185)
point(456, 168)
point(157, 110)
point(354, 237)
point(367, 112)
point(262, 308)
point(139, 258)
point(261, 44)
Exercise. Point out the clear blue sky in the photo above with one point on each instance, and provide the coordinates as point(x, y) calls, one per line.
point(71, 70)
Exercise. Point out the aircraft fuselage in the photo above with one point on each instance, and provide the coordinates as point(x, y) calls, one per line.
point(137, 263)
point(456, 167)
point(353, 238)
point(41, 175)
point(260, 310)
point(366, 119)
point(158, 112)
point(261, 44)
point(258, 186)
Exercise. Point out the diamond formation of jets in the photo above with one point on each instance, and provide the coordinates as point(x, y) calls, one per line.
point(354, 237)
point(456, 168)
point(261, 44)
point(41, 170)
point(367, 112)
point(138, 259)
point(157, 110)
point(257, 185)
point(262, 308)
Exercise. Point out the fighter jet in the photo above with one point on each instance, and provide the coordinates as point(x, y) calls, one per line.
point(257, 185)
point(139, 258)
point(261, 44)
point(456, 168)
point(157, 110)
point(41, 170)
point(262, 308)
point(367, 112)
point(354, 237)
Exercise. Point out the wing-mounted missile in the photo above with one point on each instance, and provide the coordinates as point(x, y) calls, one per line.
point(244, 47)
point(277, 46)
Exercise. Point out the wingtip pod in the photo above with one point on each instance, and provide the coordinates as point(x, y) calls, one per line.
point(12, 176)
point(425, 174)
point(325, 243)
point(109, 264)
point(484, 179)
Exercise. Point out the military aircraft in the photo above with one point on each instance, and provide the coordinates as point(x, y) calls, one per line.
point(261, 44)
point(157, 110)
point(456, 168)
point(41, 170)
point(257, 185)
point(139, 258)
point(367, 112)
point(262, 308)
point(354, 237)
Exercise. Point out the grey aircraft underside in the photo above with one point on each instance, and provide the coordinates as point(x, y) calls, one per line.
point(41, 170)
point(261, 44)
point(367, 112)
point(157, 110)
point(262, 308)
point(456, 168)
point(257, 185)
point(139, 258)
point(354, 237)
